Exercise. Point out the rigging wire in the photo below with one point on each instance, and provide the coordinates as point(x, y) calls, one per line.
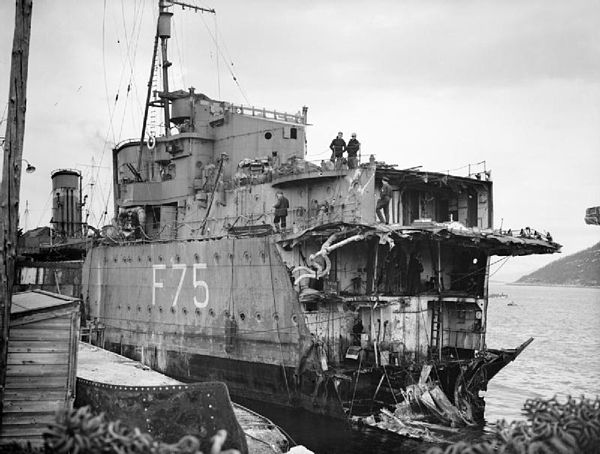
point(176, 39)
point(50, 193)
point(227, 61)
point(217, 59)
point(131, 42)
point(3, 117)
point(504, 261)
point(137, 25)
point(110, 111)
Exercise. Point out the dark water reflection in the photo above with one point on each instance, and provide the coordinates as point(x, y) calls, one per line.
point(330, 436)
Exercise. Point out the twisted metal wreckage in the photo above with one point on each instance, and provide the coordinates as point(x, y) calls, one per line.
point(444, 390)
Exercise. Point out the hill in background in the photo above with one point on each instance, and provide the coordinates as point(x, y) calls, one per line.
point(581, 269)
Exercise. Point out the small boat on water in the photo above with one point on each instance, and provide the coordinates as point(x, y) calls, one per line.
point(497, 295)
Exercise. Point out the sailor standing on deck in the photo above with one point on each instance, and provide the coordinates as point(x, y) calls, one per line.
point(281, 211)
point(383, 204)
point(337, 147)
point(353, 148)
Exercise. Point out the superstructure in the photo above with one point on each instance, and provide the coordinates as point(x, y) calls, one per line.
point(338, 313)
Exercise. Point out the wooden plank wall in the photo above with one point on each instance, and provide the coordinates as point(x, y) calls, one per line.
point(41, 373)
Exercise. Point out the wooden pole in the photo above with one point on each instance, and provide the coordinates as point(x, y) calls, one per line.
point(11, 174)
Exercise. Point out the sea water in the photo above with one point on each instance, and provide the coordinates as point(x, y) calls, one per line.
point(563, 359)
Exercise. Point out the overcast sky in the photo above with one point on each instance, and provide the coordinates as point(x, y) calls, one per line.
point(514, 83)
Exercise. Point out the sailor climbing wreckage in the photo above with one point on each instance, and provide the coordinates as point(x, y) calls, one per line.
point(337, 312)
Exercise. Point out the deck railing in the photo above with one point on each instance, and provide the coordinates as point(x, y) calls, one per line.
point(252, 111)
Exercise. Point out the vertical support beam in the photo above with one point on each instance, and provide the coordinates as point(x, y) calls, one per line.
point(165, 71)
point(438, 266)
point(486, 295)
point(491, 205)
point(11, 174)
point(116, 187)
point(375, 265)
point(80, 209)
point(438, 272)
point(440, 328)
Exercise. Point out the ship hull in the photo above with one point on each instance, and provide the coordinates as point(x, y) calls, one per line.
point(227, 310)
point(222, 310)
point(249, 380)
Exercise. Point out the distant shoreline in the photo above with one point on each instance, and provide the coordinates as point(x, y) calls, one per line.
point(531, 284)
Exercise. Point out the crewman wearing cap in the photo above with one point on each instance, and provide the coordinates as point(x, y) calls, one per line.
point(383, 204)
point(353, 149)
point(338, 146)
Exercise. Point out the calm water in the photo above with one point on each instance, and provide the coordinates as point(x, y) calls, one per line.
point(564, 359)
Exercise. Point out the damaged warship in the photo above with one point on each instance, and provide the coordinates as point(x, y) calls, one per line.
point(338, 313)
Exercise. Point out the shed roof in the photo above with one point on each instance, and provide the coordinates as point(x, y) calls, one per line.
point(35, 300)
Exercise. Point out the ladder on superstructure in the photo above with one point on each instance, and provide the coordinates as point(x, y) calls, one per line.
point(436, 329)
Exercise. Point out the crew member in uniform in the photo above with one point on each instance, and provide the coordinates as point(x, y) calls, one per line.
point(281, 211)
point(383, 204)
point(337, 147)
point(353, 148)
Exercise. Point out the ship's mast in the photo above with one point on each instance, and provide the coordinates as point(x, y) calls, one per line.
point(163, 31)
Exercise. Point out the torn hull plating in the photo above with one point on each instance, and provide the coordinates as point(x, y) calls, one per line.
point(227, 309)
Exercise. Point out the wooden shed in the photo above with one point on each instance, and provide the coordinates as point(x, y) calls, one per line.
point(41, 367)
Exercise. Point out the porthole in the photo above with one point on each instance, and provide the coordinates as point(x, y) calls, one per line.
point(276, 316)
point(258, 317)
point(295, 319)
point(184, 310)
point(160, 309)
point(226, 314)
point(196, 258)
point(172, 310)
point(242, 316)
point(211, 312)
point(197, 311)
point(268, 135)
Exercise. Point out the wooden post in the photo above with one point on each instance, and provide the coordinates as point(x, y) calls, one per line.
point(11, 174)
